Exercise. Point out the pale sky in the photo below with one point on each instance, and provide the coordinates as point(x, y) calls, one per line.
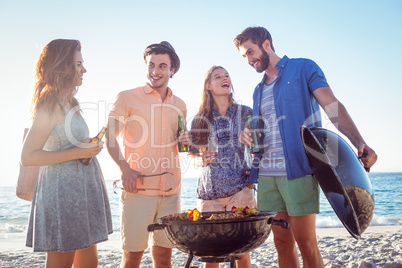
point(356, 43)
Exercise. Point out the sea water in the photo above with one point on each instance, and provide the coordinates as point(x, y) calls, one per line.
point(387, 187)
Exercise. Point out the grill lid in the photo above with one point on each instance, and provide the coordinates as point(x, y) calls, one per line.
point(341, 176)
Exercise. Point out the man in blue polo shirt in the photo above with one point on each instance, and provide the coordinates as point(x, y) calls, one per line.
point(289, 95)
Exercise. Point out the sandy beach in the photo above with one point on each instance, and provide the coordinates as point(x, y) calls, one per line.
point(380, 246)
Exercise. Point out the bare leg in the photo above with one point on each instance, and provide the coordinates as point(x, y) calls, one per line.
point(211, 265)
point(305, 236)
point(244, 262)
point(86, 258)
point(285, 243)
point(60, 259)
point(162, 257)
point(131, 259)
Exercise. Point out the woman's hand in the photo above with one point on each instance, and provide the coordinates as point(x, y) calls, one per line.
point(90, 149)
point(208, 157)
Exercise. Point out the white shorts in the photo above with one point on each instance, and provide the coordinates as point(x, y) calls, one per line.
point(241, 199)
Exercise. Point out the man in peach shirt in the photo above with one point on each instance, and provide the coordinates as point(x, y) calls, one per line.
point(147, 119)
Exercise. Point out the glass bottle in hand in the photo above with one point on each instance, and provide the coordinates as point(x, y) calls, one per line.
point(181, 128)
point(95, 139)
point(255, 147)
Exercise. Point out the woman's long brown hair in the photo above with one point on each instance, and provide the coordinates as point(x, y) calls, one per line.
point(55, 77)
point(200, 127)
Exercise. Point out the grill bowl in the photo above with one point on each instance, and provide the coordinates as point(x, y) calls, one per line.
point(218, 238)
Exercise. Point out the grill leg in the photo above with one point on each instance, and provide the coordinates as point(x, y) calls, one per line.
point(233, 263)
point(189, 260)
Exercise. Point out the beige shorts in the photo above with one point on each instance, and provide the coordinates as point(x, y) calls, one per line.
point(241, 199)
point(137, 211)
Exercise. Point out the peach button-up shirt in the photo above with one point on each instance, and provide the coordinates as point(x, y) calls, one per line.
point(149, 136)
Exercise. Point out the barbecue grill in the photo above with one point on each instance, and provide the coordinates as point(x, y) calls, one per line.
point(221, 240)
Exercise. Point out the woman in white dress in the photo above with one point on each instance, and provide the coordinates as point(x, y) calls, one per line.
point(70, 210)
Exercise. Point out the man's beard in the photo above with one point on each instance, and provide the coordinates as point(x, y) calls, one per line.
point(264, 62)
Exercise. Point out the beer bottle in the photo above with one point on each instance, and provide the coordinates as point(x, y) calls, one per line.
point(255, 147)
point(181, 146)
point(95, 139)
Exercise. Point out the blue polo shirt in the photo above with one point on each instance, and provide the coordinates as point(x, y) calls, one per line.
point(294, 106)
